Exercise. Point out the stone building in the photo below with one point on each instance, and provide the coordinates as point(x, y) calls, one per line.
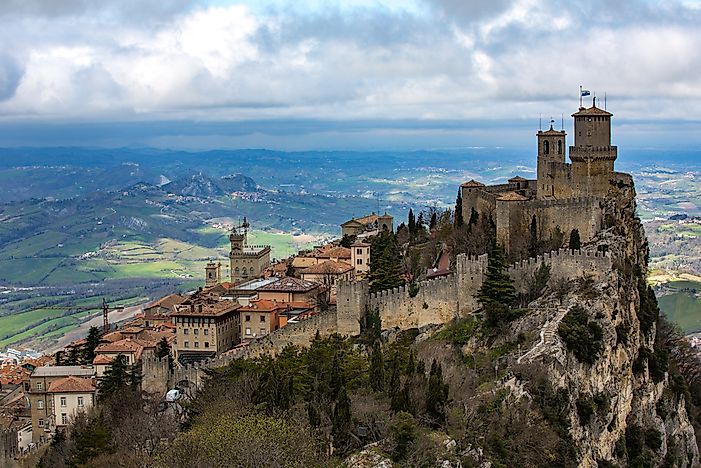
point(69, 396)
point(360, 258)
point(246, 261)
point(565, 196)
point(205, 329)
point(41, 401)
point(371, 224)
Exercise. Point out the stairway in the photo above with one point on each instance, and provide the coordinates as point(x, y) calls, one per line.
point(547, 337)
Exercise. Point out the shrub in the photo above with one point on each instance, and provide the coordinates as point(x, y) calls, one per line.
point(459, 332)
point(413, 289)
point(403, 433)
point(585, 410)
point(582, 337)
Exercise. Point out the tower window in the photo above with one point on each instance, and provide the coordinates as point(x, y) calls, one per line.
point(546, 147)
point(559, 146)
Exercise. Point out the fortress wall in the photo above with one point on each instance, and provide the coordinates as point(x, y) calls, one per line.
point(436, 302)
point(351, 305)
point(470, 275)
point(483, 202)
point(564, 264)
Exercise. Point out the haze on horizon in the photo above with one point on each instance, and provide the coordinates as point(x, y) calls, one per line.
point(358, 74)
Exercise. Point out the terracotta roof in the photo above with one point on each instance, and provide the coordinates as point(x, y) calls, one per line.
point(127, 345)
point(168, 302)
point(111, 337)
point(131, 330)
point(328, 267)
point(204, 309)
point(593, 110)
point(360, 243)
point(552, 131)
point(512, 196)
point(365, 220)
point(334, 252)
point(102, 359)
point(472, 183)
point(72, 384)
point(290, 284)
point(265, 305)
point(518, 179)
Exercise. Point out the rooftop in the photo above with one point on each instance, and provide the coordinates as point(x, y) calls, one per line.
point(511, 196)
point(328, 267)
point(72, 384)
point(254, 284)
point(365, 220)
point(203, 309)
point(289, 284)
point(472, 183)
point(168, 302)
point(63, 371)
point(593, 110)
point(333, 252)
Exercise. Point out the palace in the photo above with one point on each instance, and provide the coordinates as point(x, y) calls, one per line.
point(564, 197)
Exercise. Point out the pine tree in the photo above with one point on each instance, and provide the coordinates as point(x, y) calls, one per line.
point(163, 350)
point(434, 220)
point(412, 223)
point(420, 224)
point(575, 243)
point(436, 395)
point(115, 379)
point(497, 287)
point(385, 263)
point(474, 217)
point(377, 368)
point(533, 240)
point(459, 221)
point(341, 421)
point(92, 341)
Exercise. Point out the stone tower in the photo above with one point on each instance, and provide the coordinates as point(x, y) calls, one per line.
point(212, 274)
point(551, 163)
point(592, 155)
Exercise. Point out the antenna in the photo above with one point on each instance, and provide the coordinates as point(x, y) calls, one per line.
point(604, 100)
point(562, 121)
point(540, 122)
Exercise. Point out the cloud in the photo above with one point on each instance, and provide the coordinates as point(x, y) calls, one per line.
point(441, 60)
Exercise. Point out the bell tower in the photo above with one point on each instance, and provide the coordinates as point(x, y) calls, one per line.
point(551, 155)
point(212, 274)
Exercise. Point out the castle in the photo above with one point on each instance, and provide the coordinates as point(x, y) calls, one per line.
point(565, 196)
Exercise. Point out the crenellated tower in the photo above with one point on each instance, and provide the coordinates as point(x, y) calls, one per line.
point(551, 162)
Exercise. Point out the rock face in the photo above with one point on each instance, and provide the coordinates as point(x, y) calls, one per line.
point(627, 402)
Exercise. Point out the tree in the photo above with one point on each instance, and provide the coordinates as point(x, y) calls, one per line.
point(497, 287)
point(575, 243)
point(385, 263)
point(411, 223)
point(90, 441)
point(434, 221)
point(459, 221)
point(118, 377)
point(436, 395)
point(163, 350)
point(347, 240)
point(474, 217)
point(377, 368)
point(533, 241)
point(341, 421)
point(92, 341)
point(403, 431)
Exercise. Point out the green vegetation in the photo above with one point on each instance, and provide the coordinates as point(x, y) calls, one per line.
point(683, 309)
point(582, 337)
point(385, 267)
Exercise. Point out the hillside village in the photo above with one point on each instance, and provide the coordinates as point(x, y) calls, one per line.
point(433, 269)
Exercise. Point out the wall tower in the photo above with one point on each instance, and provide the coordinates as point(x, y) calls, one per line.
point(551, 157)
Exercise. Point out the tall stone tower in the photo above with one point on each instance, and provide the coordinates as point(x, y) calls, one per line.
point(592, 155)
point(212, 274)
point(246, 261)
point(551, 162)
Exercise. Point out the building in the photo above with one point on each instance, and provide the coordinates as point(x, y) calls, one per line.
point(206, 329)
point(360, 258)
point(371, 224)
point(106, 352)
point(247, 261)
point(565, 196)
point(158, 312)
point(212, 274)
point(41, 401)
point(68, 396)
point(329, 273)
point(290, 289)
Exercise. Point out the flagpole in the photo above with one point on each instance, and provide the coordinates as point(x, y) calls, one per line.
point(580, 95)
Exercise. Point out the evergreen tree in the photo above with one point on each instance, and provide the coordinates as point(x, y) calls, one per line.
point(533, 243)
point(474, 217)
point(341, 421)
point(73, 357)
point(385, 263)
point(412, 223)
point(459, 221)
point(163, 350)
point(115, 379)
point(58, 357)
point(434, 221)
point(347, 240)
point(575, 243)
point(436, 395)
point(92, 341)
point(497, 287)
point(420, 224)
point(394, 382)
point(377, 368)
point(401, 400)
point(90, 441)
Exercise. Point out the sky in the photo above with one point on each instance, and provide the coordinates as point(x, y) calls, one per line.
point(351, 74)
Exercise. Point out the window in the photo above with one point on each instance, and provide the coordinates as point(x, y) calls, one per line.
point(359, 251)
point(248, 318)
point(41, 423)
point(80, 402)
point(546, 147)
point(186, 331)
point(559, 146)
point(197, 344)
point(63, 401)
point(40, 385)
point(248, 331)
point(263, 331)
point(186, 344)
point(206, 344)
point(64, 418)
point(40, 404)
point(196, 331)
point(359, 261)
point(262, 318)
point(206, 331)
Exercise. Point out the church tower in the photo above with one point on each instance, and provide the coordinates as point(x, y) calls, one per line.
point(212, 274)
point(592, 155)
point(551, 160)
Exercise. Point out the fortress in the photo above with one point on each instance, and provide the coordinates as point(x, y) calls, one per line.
point(565, 196)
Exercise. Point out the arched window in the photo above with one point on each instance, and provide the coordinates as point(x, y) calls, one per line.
point(237, 271)
point(546, 147)
point(243, 272)
point(559, 146)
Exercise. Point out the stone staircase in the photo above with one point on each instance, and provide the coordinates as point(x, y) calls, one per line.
point(548, 337)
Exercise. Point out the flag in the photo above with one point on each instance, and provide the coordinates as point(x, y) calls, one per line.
point(585, 92)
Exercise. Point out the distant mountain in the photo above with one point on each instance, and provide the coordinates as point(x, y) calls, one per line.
point(197, 185)
point(238, 183)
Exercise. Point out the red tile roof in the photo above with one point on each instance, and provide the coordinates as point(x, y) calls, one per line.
point(328, 267)
point(72, 385)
